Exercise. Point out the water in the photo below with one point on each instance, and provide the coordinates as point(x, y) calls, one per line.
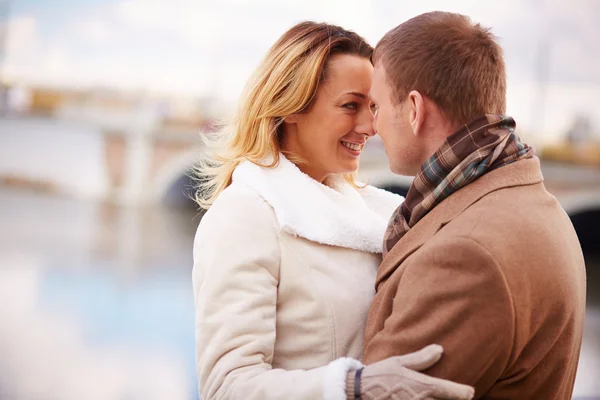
point(96, 302)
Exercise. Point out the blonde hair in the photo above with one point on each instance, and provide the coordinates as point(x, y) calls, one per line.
point(285, 83)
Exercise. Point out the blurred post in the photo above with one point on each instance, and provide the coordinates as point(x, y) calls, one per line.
point(138, 155)
point(4, 23)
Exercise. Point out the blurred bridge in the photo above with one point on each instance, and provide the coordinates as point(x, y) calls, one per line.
point(138, 164)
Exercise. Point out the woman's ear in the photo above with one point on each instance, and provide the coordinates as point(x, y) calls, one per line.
point(290, 119)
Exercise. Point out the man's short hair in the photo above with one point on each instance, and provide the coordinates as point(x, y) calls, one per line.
point(446, 57)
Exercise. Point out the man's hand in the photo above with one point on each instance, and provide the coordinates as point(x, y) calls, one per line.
point(398, 378)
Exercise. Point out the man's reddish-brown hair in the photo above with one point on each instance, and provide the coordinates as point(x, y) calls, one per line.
point(446, 57)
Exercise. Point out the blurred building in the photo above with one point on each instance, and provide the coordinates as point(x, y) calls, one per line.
point(102, 144)
point(580, 145)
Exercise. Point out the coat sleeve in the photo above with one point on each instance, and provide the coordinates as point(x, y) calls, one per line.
point(235, 277)
point(453, 294)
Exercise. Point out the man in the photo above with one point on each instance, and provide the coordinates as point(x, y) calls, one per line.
point(480, 258)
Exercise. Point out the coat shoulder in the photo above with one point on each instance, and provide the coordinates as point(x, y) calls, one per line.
point(517, 218)
point(526, 231)
point(237, 214)
point(237, 201)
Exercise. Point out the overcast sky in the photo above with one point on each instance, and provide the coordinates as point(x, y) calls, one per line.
point(210, 47)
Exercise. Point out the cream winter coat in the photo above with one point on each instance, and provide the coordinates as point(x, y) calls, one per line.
point(284, 271)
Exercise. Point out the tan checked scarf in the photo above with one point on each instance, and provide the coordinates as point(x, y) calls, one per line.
point(487, 143)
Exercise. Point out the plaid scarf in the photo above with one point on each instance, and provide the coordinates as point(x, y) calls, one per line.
point(487, 143)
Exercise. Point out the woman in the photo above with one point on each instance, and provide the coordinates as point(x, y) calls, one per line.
point(285, 258)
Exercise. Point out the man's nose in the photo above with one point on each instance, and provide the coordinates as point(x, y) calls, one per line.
point(374, 124)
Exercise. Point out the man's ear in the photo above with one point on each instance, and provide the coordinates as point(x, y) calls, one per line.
point(416, 113)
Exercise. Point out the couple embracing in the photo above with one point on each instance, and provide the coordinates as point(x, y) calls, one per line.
point(311, 285)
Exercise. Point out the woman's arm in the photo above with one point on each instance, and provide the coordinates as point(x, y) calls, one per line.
point(236, 274)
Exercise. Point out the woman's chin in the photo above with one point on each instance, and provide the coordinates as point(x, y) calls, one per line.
point(348, 168)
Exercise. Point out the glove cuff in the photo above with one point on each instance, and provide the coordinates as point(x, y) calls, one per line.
point(350, 385)
point(335, 377)
point(353, 384)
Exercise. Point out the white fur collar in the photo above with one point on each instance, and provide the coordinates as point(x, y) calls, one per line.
point(335, 214)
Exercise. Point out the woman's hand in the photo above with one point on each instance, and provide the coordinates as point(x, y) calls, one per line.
point(399, 378)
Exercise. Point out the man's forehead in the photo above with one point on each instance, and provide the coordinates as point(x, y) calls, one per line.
point(372, 94)
point(378, 80)
point(378, 71)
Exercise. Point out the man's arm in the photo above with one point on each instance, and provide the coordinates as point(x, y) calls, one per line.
point(453, 293)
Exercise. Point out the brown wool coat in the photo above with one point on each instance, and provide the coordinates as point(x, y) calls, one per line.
point(495, 274)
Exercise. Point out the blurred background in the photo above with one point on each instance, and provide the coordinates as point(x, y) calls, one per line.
point(102, 104)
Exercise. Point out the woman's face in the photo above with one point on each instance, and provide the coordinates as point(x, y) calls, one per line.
point(332, 133)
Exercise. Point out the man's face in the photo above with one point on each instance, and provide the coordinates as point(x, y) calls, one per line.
point(392, 122)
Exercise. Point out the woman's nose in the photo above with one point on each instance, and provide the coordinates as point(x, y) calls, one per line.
point(365, 124)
